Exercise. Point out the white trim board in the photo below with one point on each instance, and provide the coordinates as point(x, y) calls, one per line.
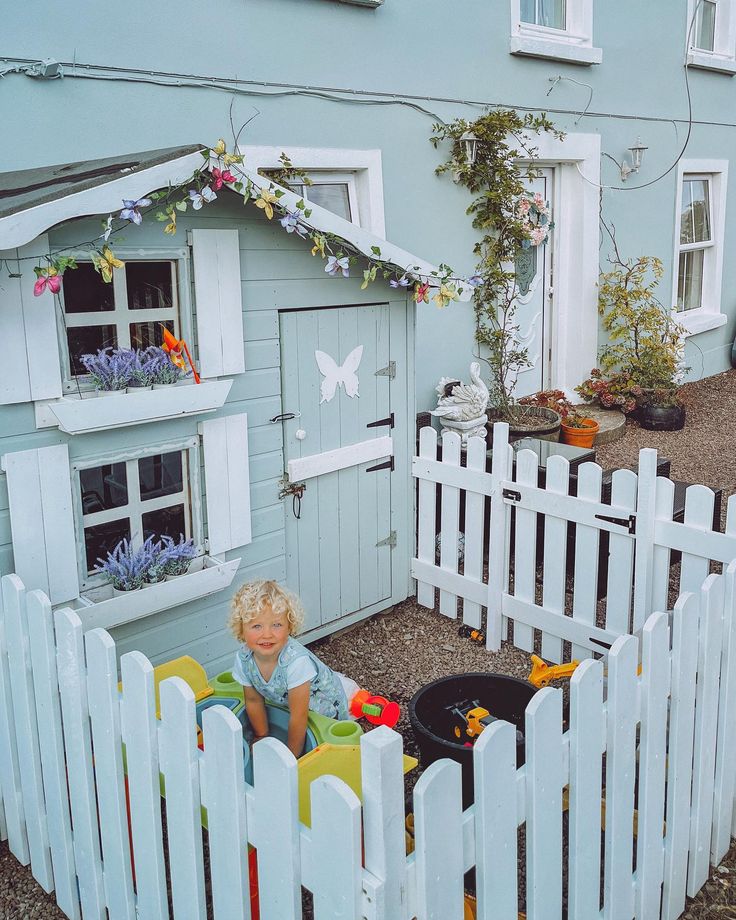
point(331, 460)
point(574, 327)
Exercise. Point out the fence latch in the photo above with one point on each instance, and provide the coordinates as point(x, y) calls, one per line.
point(629, 523)
point(512, 495)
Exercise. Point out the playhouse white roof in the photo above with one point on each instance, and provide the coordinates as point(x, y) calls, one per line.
point(33, 200)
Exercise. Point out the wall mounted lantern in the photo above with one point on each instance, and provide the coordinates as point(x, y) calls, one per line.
point(470, 145)
point(637, 152)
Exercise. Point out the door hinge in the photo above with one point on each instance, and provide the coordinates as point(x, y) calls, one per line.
point(629, 523)
point(388, 371)
point(379, 423)
point(386, 465)
point(390, 540)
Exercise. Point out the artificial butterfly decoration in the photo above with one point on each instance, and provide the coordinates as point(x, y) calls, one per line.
point(105, 262)
point(421, 293)
point(131, 209)
point(46, 278)
point(176, 349)
point(346, 375)
point(200, 198)
point(219, 176)
point(265, 201)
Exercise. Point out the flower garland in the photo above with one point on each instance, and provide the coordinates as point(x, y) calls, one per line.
point(533, 212)
point(339, 255)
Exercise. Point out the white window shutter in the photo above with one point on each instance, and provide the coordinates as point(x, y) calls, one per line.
point(227, 482)
point(31, 367)
point(219, 303)
point(42, 520)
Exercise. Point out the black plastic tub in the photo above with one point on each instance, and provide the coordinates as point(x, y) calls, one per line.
point(433, 722)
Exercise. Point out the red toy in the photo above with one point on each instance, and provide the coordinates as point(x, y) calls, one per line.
point(377, 709)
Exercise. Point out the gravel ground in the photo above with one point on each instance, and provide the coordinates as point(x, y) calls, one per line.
point(397, 652)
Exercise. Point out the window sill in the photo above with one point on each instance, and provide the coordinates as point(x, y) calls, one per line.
point(561, 49)
point(371, 3)
point(700, 322)
point(717, 63)
point(207, 575)
point(76, 415)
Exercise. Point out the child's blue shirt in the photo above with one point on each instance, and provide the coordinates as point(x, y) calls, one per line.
point(295, 665)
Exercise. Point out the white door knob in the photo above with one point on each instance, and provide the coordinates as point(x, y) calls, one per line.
point(300, 434)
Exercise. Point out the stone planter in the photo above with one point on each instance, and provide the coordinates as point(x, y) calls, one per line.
point(537, 422)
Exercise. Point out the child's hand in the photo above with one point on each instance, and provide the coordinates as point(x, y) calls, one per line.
point(298, 715)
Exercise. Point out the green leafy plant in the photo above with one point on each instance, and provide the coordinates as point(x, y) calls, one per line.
point(645, 343)
point(498, 182)
point(617, 391)
point(549, 399)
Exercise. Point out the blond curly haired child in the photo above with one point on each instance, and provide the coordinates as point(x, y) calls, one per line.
point(274, 667)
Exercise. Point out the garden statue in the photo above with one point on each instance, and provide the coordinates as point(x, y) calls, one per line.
point(462, 406)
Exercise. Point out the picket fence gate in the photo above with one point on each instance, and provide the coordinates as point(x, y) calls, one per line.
point(661, 735)
point(534, 593)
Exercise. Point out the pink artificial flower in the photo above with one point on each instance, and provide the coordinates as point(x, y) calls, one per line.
point(538, 236)
point(523, 206)
point(539, 200)
point(220, 176)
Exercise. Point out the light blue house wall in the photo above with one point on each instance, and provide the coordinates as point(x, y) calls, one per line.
point(322, 74)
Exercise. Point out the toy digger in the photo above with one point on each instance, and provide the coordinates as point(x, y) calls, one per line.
point(472, 718)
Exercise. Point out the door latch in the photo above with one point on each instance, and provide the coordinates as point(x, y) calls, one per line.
point(296, 490)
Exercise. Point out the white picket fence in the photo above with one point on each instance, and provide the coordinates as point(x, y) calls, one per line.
point(662, 736)
point(638, 521)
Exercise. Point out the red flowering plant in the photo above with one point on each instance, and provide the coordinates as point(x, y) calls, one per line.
point(549, 399)
point(617, 391)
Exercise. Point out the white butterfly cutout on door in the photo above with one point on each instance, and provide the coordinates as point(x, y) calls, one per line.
point(346, 375)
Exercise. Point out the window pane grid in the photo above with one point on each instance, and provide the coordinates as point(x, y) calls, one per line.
point(100, 528)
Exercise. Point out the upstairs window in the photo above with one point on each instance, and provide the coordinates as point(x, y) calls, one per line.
point(559, 30)
point(711, 34)
point(126, 313)
point(547, 13)
point(696, 239)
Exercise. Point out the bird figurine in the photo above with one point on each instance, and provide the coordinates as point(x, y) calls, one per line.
point(462, 402)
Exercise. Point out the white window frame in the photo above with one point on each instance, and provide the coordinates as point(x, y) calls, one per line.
point(335, 178)
point(362, 168)
point(573, 44)
point(723, 57)
point(190, 447)
point(181, 313)
point(710, 314)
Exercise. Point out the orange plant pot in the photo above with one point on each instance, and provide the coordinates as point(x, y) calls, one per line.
point(580, 437)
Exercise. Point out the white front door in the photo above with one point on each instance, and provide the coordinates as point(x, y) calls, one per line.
point(534, 302)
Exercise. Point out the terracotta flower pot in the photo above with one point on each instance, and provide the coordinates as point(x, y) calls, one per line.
point(580, 437)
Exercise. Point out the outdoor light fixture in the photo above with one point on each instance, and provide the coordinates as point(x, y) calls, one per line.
point(637, 152)
point(470, 144)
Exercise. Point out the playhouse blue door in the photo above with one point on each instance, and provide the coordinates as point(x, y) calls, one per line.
point(336, 377)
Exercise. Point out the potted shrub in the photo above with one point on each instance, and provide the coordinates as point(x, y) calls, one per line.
point(552, 404)
point(178, 556)
point(643, 359)
point(578, 430)
point(617, 391)
point(110, 370)
point(661, 411)
point(125, 567)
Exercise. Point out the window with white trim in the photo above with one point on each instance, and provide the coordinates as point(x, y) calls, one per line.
point(333, 191)
point(700, 225)
point(134, 498)
point(128, 312)
point(560, 30)
point(711, 35)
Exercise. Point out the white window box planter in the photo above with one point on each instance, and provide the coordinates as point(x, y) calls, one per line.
point(90, 412)
point(207, 575)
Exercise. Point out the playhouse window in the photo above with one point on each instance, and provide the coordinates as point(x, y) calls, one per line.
point(126, 313)
point(334, 192)
point(133, 499)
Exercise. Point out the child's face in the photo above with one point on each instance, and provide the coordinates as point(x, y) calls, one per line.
point(266, 634)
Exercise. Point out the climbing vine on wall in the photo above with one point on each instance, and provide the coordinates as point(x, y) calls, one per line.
point(509, 220)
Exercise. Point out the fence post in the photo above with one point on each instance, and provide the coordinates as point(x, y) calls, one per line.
point(427, 516)
point(449, 521)
point(9, 769)
point(474, 515)
point(725, 782)
point(646, 498)
point(80, 772)
point(336, 850)
point(223, 795)
point(500, 471)
point(53, 761)
point(382, 769)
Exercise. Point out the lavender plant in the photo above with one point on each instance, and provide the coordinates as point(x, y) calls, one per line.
point(125, 566)
point(110, 369)
point(143, 367)
point(178, 555)
point(164, 369)
point(155, 561)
